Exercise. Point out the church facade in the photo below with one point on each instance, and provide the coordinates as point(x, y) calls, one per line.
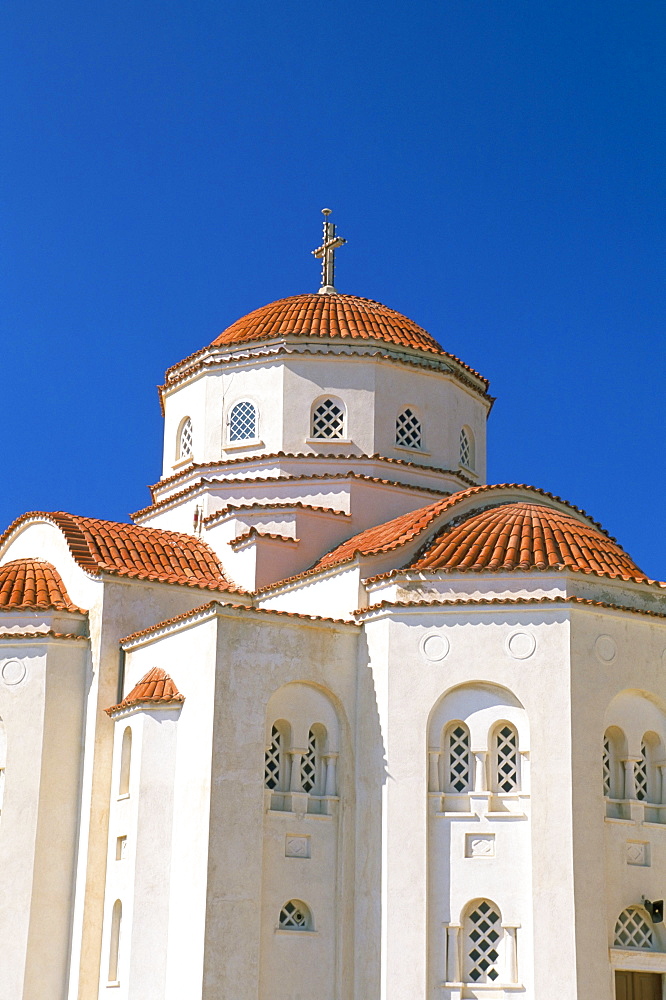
point(331, 718)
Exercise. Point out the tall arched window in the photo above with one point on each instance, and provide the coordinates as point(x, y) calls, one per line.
point(185, 439)
point(505, 754)
point(125, 763)
point(633, 930)
point(312, 765)
point(295, 916)
point(114, 946)
point(483, 935)
point(275, 761)
point(467, 448)
point(328, 419)
point(243, 422)
point(457, 759)
point(647, 776)
point(408, 430)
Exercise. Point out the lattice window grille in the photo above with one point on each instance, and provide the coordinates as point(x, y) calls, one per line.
point(641, 775)
point(458, 760)
point(633, 931)
point(484, 938)
point(243, 422)
point(408, 430)
point(328, 420)
point(293, 917)
point(507, 760)
point(309, 765)
point(465, 449)
point(185, 445)
point(273, 760)
point(607, 767)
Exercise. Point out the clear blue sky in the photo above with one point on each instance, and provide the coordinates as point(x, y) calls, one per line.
point(497, 167)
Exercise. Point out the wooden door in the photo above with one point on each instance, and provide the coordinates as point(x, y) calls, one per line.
point(638, 986)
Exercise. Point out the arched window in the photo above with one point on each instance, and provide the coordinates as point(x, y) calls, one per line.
point(467, 448)
point(275, 761)
point(613, 753)
point(457, 759)
point(312, 765)
point(243, 422)
point(328, 419)
point(125, 763)
point(505, 753)
point(483, 935)
point(185, 439)
point(646, 773)
point(295, 916)
point(408, 429)
point(114, 947)
point(633, 930)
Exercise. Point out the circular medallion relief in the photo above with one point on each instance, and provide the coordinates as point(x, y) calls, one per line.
point(435, 646)
point(605, 648)
point(521, 645)
point(13, 672)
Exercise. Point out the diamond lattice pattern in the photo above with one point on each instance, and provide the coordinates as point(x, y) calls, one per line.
point(507, 759)
point(328, 420)
point(408, 430)
point(293, 917)
point(309, 765)
point(641, 775)
point(465, 449)
point(273, 760)
point(633, 931)
point(243, 422)
point(483, 941)
point(458, 760)
point(607, 767)
point(186, 439)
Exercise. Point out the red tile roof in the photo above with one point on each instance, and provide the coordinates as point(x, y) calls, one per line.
point(523, 536)
point(156, 688)
point(504, 535)
point(134, 551)
point(347, 317)
point(32, 585)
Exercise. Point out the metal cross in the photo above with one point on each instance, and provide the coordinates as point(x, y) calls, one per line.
point(327, 254)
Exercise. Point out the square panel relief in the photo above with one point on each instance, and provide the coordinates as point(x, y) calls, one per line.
point(296, 847)
point(479, 845)
point(637, 853)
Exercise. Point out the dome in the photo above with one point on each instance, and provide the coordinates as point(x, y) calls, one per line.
point(525, 536)
point(32, 584)
point(344, 317)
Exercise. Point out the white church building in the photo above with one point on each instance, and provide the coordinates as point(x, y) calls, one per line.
point(331, 718)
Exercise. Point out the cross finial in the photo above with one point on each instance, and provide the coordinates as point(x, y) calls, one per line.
point(327, 254)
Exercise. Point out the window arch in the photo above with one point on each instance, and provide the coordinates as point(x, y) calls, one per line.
point(125, 762)
point(614, 750)
point(243, 421)
point(466, 448)
point(408, 430)
point(114, 946)
point(506, 769)
point(328, 419)
point(646, 773)
point(312, 764)
point(483, 936)
point(457, 759)
point(276, 757)
point(633, 929)
point(296, 915)
point(185, 438)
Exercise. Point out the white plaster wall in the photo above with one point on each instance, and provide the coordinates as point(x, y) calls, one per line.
point(334, 595)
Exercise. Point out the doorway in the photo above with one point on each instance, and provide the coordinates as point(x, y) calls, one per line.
point(638, 986)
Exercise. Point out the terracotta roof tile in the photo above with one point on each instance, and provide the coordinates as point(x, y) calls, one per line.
point(47, 634)
point(346, 317)
point(156, 688)
point(134, 551)
point(509, 601)
point(31, 585)
point(525, 536)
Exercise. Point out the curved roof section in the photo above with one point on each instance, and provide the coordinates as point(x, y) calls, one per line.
point(344, 317)
point(525, 536)
point(33, 585)
point(156, 688)
point(132, 550)
point(505, 526)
